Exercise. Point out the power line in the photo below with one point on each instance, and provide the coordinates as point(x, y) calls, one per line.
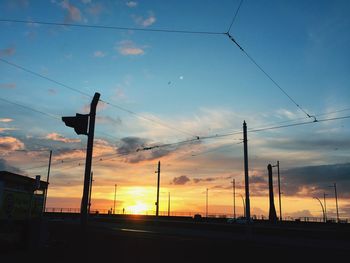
point(239, 132)
point(111, 27)
point(269, 76)
point(87, 95)
point(31, 109)
point(234, 17)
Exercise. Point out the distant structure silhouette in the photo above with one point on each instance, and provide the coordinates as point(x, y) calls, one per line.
point(272, 212)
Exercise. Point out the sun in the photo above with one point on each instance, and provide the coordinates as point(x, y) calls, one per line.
point(139, 208)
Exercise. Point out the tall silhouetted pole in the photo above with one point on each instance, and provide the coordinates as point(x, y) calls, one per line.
point(246, 172)
point(157, 202)
point(168, 203)
point(279, 188)
point(336, 199)
point(234, 197)
point(115, 195)
point(272, 211)
point(206, 205)
point(90, 145)
point(47, 181)
point(90, 192)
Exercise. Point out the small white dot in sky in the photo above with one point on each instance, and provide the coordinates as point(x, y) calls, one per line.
point(181, 77)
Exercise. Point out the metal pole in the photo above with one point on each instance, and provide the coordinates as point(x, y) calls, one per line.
point(47, 181)
point(90, 192)
point(168, 203)
point(206, 207)
point(234, 197)
point(279, 189)
point(325, 206)
point(90, 143)
point(336, 201)
point(243, 205)
point(324, 217)
point(115, 194)
point(246, 172)
point(272, 210)
point(157, 203)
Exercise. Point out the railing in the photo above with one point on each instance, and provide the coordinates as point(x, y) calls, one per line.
point(191, 214)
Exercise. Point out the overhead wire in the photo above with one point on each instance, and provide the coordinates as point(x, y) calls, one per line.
point(235, 15)
point(110, 27)
point(88, 95)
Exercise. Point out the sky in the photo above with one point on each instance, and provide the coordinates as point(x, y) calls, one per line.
point(160, 85)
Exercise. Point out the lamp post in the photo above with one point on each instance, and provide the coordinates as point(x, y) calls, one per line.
point(234, 197)
point(168, 203)
point(324, 215)
point(325, 206)
point(244, 209)
point(206, 207)
point(279, 187)
point(336, 199)
point(115, 194)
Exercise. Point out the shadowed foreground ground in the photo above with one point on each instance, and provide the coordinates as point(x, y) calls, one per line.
point(149, 241)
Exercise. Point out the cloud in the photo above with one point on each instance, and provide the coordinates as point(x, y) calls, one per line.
point(210, 179)
point(10, 144)
point(129, 146)
point(181, 180)
point(128, 48)
point(6, 120)
point(4, 166)
point(8, 85)
point(145, 22)
point(52, 91)
point(86, 1)
point(73, 13)
point(7, 51)
point(7, 129)
point(95, 9)
point(313, 180)
point(99, 54)
point(59, 138)
point(131, 4)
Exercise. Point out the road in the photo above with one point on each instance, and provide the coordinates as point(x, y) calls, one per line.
point(131, 240)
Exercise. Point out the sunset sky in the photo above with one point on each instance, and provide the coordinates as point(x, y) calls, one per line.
point(167, 86)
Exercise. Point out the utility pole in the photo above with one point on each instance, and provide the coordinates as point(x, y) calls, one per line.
point(90, 190)
point(336, 200)
point(325, 206)
point(168, 203)
point(157, 202)
point(47, 181)
point(90, 145)
point(279, 188)
point(234, 197)
point(115, 195)
point(246, 172)
point(206, 206)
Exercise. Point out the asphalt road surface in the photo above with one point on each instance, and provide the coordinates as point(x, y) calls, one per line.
point(176, 241)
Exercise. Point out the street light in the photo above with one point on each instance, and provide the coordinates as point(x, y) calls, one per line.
point(115, 193)
point(324, 215)
point(206, 209)
point(279, 188)
point(243, 203)
point(234, 197)
point(336, 199)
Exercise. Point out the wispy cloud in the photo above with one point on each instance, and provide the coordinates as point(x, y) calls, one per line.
point(8, 85)
point(6, 52)
point(181, 180)
point(128, 48)
point(131, 4)
point(7, 129)
point(95, 9)
point(99, 54)
point(73, 13)
point(6, 120)
point(10, 144)
point(59, 138)
point(145, 21)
